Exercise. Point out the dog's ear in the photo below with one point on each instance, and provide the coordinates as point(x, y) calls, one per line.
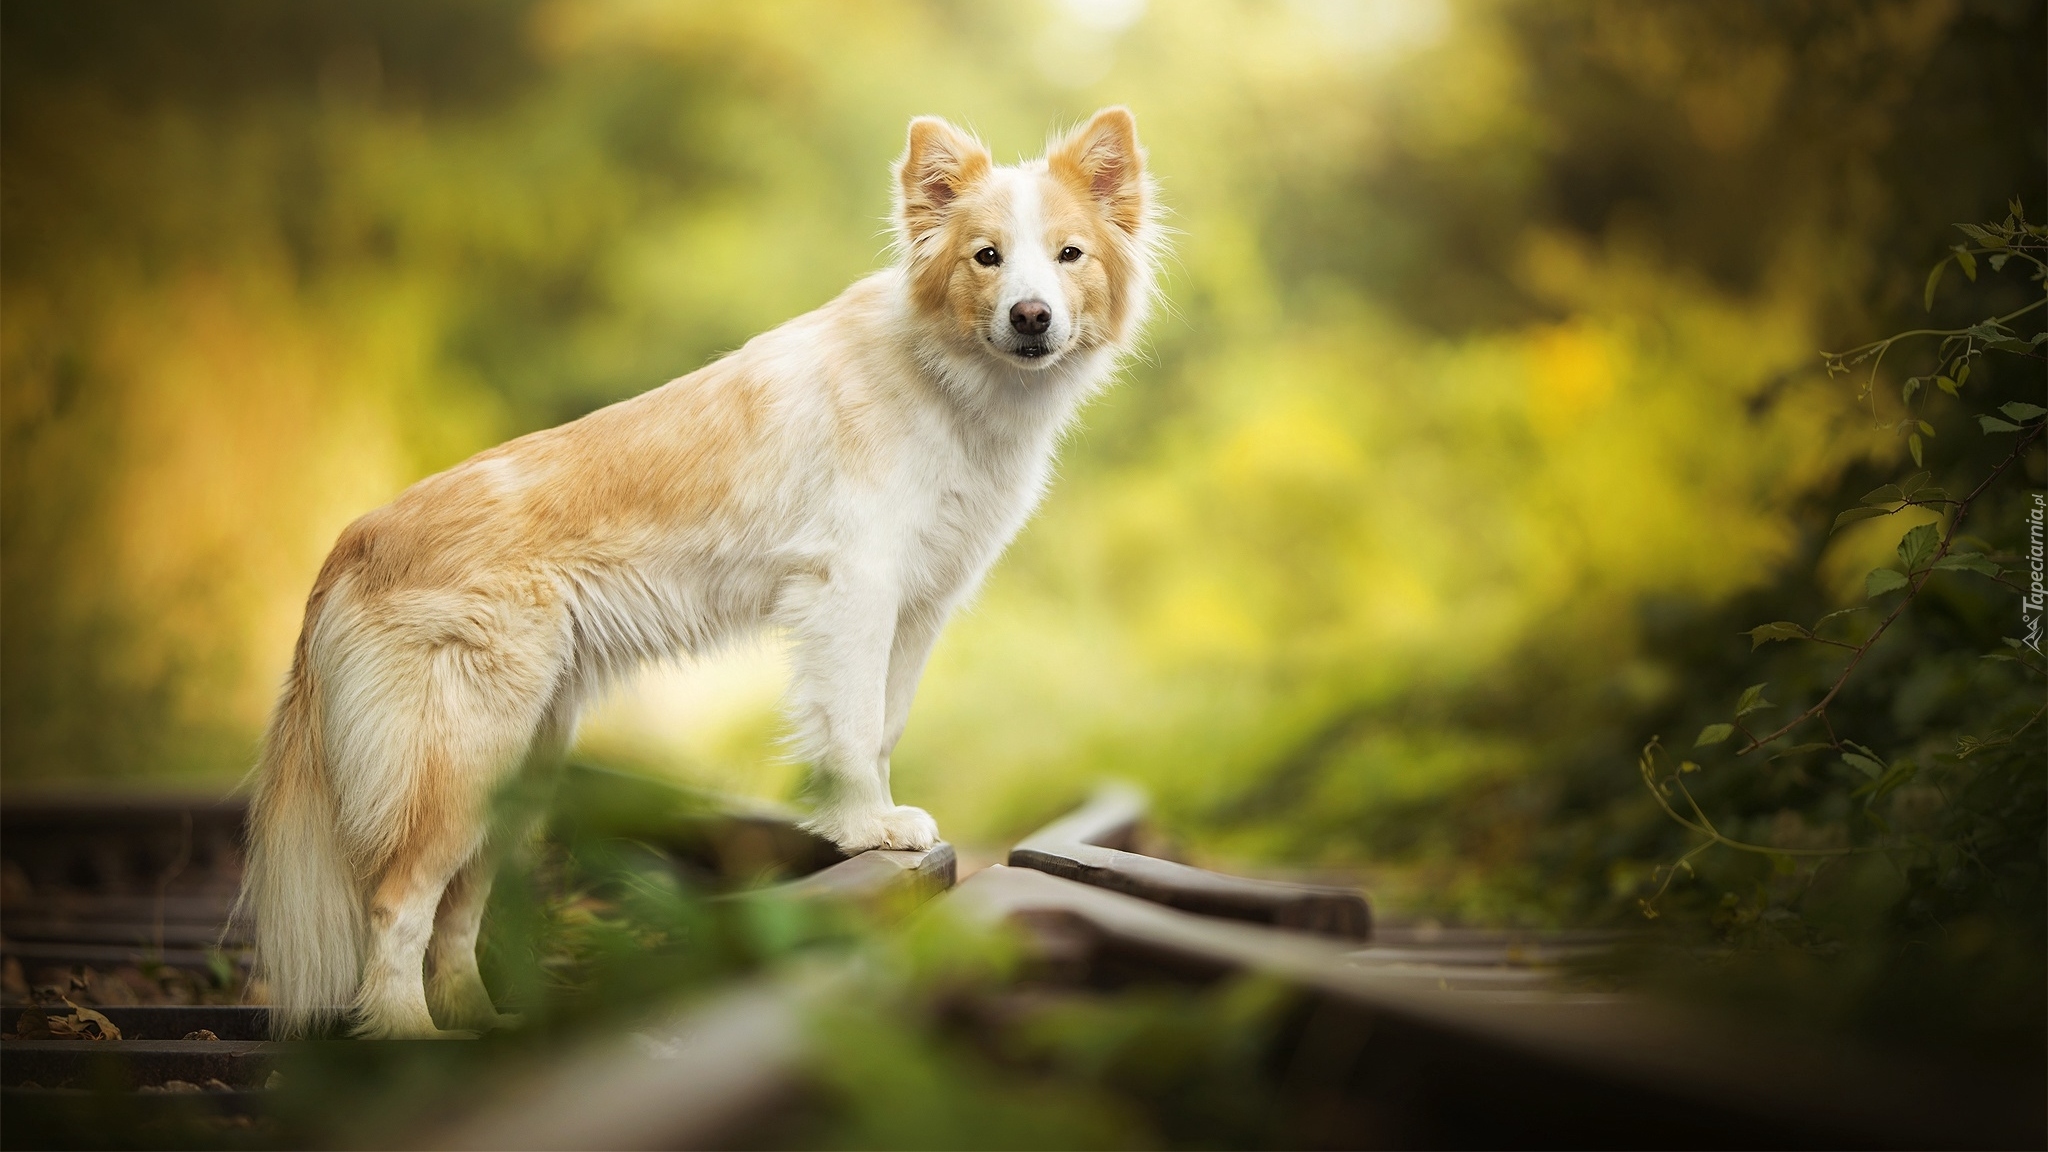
point(939, 164)
point(1103, 160)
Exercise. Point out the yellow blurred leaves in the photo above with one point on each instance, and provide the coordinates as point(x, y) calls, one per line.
point(1300, 498)
point(1571, 372)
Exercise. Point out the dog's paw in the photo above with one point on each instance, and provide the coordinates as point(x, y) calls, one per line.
point(505, 1021)
point(460, 1001)
point(901, 828)
point(408, 1030)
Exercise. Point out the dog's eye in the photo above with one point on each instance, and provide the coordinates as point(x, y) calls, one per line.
point(1069, 254)
point(988, 257)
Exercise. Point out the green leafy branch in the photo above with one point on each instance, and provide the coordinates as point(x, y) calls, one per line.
point(1998, 243)
point(1922, 551)
point(1922, 555)
point(1663, 789)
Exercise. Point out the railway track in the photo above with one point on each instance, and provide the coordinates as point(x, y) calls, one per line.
point(1396, 1036)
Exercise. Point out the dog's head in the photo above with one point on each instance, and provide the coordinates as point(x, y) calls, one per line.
point(1035, 263)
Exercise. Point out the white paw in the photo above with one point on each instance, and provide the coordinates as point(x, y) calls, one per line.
point(902, 828)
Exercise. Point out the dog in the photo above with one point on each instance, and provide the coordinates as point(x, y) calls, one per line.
point(846, 479)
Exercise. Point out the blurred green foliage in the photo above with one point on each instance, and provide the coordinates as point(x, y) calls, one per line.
point(1483, 420)
point(1888, 814)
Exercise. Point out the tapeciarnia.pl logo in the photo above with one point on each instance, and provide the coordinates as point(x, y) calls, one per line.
point(2031, 604)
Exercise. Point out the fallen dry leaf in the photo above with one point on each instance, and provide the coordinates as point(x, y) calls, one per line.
point(33, 1025)
point(201, 1034)
point(85, 1023)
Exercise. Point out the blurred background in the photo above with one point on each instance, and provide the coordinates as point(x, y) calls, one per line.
point(1485, 412)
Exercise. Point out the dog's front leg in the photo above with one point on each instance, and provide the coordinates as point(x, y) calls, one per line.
point(917, 629)
point(844, 626)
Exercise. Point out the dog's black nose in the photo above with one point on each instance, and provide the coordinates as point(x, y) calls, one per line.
point(1031, 317)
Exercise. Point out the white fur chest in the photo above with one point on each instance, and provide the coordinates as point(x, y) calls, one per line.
point(953, 501)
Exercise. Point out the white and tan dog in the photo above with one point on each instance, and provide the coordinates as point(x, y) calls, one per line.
point(846, 479)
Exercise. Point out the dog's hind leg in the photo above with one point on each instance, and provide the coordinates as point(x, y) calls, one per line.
point(454, 722)
point(392, 1001)
point(455, 986)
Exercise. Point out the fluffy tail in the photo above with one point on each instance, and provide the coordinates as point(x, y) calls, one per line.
point(299, 886)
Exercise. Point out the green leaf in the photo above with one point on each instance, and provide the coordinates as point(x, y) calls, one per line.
point(1752, 699)
point(1868, 765)
point(1850, 611)
point(1926, 429)
point(1963, 374)
point(1946, 385)
point(1855, 514)
point(2008, 344)
point(1967, 262)
point(1907, 389)
point(1881, 581)
point(1967, 562)
point(1998, 260)
point(1892, 779)
point(1901, 774)
point(1911, 484)
point(1913, 446)
point(1917, 545)
point(1714, 734)
point(1782, 630)
point(1800, 750)
point(2023, 412)
point(1933, 279)
point(1992, 424)
point(1987, 239)
point(1889, 494)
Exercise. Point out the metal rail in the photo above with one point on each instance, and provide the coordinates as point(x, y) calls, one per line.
point(1089, 846)
point(1419, 1063)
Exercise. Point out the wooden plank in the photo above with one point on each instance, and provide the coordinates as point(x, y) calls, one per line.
point(1080, 847)
point(877, 876)
point(94, 1063)
point(64, 954)
point(72, 1110)
point(134, 934)
point(91, 907)
point(170, 1021)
